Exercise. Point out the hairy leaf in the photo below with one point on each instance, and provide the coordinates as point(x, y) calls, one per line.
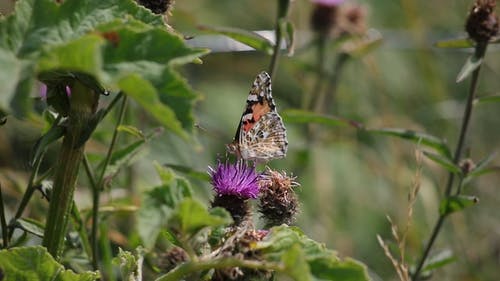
point(36, 264)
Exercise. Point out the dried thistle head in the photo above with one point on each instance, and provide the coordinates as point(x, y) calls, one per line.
point(324, 15)
point(159, 7)
point(172, 258)
point(278, 202)
point(482, 22)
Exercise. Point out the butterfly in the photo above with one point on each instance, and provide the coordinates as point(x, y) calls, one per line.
point(261, 134)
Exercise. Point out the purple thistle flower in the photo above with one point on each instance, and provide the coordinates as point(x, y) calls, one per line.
point(235, 179)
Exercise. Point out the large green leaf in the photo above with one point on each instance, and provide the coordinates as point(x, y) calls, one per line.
point(35, 263)
point(38, 25)
point(324, 264)
point(114, 42)
point(191, 216)
point(159, 205)
point(444, 162)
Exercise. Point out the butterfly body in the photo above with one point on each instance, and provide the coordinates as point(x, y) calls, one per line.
point(261, 134)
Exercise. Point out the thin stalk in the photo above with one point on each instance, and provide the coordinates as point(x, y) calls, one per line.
point(282, 12)
point(3, 222)
point(314, 97)
point(82, 231)
point(107, 255)
point(99, 186)
point(276, 51)
point(30, 189)
point(479, 52)
point(191, 267)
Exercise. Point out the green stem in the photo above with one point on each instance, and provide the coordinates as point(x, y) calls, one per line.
point(100, 183)
point(479, 52)
point(83, 105)
point(82, 231)
point(313, 99)
point(3, 222)
point(283, 7)
point(191, 267)
point(107, 255)
point(30, 189)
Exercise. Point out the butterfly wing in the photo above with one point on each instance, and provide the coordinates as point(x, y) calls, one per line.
point(266, 140)
point(261, 134)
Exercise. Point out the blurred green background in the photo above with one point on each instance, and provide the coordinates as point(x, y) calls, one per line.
point(350, 180)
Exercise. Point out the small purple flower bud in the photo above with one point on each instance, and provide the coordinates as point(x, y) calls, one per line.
point(43, 91)
point(68, 90)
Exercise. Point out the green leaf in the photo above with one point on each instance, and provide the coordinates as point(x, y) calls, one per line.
point(134, 131)
point(191, 216)
point(456, 203)
point(296, 265)
point(248, 38)
point(487, 99)
point(439, 260)
point(36, 264)
point(31, 226)
point(145, 94)
point(455, 43)
point(288, 31)
point(130, 264)
point(37, 25)
point(126, 156)
point(324, 264)
point(302, 116)
point(470, 65)
point(189, 171)
point(55, 132)
point(443, 162)
point(159, 204)
point(421, 138)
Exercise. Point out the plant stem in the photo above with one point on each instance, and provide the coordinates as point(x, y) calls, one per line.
point(30, 189)
point(3, 222)
point(479, 53)
point(100, 183)
point(283, 7)
point(83, 105)
point(192, 267)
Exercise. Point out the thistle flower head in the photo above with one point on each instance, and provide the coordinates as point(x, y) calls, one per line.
point(324, 15)
point(235, 179)
point(482, 22)
point(278, 203)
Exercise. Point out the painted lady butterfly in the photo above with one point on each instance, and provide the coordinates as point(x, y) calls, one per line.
point(261, 135)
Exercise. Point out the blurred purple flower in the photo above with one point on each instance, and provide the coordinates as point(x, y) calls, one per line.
point(43, 91)
point(328, 2)
point(68, 91)
point(235, 179)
